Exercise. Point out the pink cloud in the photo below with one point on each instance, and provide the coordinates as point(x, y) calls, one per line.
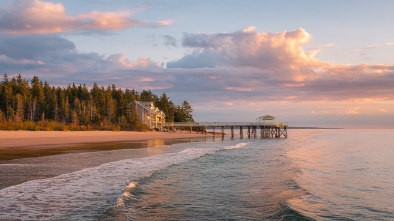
point(120, 60)
point(7, 60)
point(146, 79)
point(379, 45)
point(313, 52)
point(249, 49)
point(38, 17)
point(238, 88)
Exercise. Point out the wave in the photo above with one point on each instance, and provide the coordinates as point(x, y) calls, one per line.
point(285, 212)
point(237, 146)
point(84, 194)
point(13, 165)
point(126, 194)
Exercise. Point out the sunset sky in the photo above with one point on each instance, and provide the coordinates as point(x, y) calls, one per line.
point(310, 63)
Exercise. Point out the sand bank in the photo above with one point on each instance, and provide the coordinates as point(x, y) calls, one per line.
point(43, 139)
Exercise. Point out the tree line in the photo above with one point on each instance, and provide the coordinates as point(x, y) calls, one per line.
point(36, 105)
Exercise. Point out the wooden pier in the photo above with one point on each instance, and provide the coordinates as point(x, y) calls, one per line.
point(267, 129)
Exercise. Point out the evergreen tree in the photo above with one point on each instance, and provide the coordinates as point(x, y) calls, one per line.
point(148, 96)
point(183, 113)
point(164, 104)
point(20, 107)
point(6, 97)
point(188, 111)
point(77, 106)
point(38, 98)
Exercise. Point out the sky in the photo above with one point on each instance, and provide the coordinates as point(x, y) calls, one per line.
point(308, 63)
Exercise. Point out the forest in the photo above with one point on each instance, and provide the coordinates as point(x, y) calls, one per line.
point(36, 105)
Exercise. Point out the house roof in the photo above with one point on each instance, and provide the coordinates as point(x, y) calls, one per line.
point(266, 117)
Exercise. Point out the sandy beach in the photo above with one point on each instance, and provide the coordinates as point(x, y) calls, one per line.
point(45, 139)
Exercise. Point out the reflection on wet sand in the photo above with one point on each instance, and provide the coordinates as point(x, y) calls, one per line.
point(47, 150)
point(18, 165)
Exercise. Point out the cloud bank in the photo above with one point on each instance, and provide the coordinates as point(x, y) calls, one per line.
point(246, 48)
point(39, 17)
point(275, 66)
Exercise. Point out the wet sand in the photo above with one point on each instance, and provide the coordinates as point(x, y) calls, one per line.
point(44, 139)
point(22, 144)
point(29, 155)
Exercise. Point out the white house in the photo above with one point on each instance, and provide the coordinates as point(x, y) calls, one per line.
point(266, 119)
point(150, 115)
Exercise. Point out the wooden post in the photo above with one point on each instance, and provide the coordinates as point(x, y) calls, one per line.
point(255, 132)
point(284, 132)
point(249, 132)
point(232, 132)
point(261, 131)
point(241, 133)
point(222, 133)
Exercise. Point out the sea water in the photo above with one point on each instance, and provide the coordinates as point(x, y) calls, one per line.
point(312, 175)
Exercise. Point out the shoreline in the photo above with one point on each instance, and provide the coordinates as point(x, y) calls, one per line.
point(23, 144)
point(32, 155)
point(37, 139)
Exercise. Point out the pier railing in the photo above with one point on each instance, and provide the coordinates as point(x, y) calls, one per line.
point(268, 129)
point(225, 124)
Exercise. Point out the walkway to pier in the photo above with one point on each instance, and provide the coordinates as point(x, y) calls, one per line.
point(267, 129)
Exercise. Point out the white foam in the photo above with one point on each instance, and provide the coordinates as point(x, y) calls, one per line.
point(238, 146)
point(13, 165)
point(131, 185)
point(85, 193)
point(126, 194)
point(120, 202)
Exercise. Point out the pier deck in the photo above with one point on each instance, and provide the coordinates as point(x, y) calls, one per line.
point(267, 129)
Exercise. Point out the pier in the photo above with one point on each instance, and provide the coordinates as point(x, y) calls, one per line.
point(252, 129)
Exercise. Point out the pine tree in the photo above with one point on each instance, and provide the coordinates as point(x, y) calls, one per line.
point(187, 110)
point(183, 113)
point(39, 102)
point(19, 115)
point(38, 98)
point(164, 104)
point(6, 103)
point(148, 96)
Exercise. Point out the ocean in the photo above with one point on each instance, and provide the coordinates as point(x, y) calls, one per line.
point(314, 174)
